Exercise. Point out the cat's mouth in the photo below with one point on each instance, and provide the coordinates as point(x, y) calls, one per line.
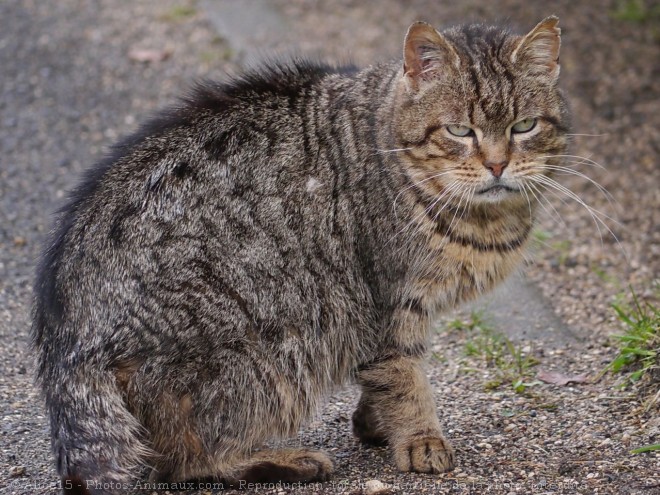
point(497, 188)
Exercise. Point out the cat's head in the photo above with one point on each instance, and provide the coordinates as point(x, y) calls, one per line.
point(478, 113)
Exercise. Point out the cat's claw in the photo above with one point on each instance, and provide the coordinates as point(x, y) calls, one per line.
point(431, 454)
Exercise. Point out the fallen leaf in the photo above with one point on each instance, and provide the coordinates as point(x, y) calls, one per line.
point(147, 56)
point(559, 378)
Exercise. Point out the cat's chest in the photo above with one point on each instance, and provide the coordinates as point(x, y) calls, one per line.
point(461, 266)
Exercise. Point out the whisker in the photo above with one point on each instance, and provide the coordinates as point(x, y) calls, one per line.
point(588, 135)
point(577, 173)
point(450, 190)
point(394, 150)
point(552, 187)
point(443, 206)
point(529, 202)
point(595, 214)
point(542, 201)
point(553, 183)
point(582, 158)
point(467, 193)
point(414, 184)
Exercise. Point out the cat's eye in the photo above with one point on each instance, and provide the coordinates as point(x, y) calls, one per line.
point(460, 130)
point(524, 125)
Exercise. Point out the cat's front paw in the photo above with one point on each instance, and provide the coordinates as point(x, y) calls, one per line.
point(427, 454)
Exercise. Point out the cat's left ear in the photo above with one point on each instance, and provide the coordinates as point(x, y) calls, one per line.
point(426, 53)
point(538, 52)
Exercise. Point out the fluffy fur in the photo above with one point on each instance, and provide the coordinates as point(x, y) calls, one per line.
point(272, 238)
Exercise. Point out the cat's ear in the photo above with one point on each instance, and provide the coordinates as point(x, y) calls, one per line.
point(538, 52)
point(425, 53)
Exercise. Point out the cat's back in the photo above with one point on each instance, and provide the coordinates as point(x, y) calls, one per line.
point(200, 211)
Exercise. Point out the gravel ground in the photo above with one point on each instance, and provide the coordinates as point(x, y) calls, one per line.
point(76, 74)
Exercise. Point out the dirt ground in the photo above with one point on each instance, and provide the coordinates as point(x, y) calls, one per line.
point(77, 74)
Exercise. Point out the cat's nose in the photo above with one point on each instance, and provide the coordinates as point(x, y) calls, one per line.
point(496, 168)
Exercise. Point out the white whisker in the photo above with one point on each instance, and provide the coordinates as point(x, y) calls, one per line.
point(554, 189)
point(566, 170)
point(394, 150)
point(450, 190)
point(414, 184)
point(553, 183)
point(542, 201)
point(467, 193)
point(597, 215)
point(529, 202)
point(583, 159)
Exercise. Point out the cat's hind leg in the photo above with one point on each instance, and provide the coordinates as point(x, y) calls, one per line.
point(286, 465)
point(266, 466)
point(215, 428)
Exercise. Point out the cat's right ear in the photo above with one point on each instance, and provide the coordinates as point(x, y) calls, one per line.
point(425, 52)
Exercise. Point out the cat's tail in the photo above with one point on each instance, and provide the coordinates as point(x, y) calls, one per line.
point(95, 439)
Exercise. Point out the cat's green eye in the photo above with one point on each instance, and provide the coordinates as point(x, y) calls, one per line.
point(460, 130)
point(524, 125)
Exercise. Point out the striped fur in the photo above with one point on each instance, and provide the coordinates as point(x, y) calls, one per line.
point(270, 239)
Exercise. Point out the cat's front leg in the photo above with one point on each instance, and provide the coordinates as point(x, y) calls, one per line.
point(366, 422)
point(402, 405)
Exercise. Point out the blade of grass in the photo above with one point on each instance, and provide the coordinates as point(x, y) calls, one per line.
point(646, 448)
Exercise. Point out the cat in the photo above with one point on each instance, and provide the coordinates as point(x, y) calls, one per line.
point(276, 236)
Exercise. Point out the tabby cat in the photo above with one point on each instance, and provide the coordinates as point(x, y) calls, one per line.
point(271, 238)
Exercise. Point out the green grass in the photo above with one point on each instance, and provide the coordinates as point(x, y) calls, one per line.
point(220, 51)
point(541, 236)
point(495, 351)
point(639, 346)
point(646, 448)
point(215, 56)
point(561, 249)
point(638, 356)
point(605, 276)
point(638, 349)
point(179, 13)
point(476, 322)
point(635, 11)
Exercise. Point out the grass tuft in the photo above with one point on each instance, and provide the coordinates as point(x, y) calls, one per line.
point(511, 364)
point(646, 448)
point(638, 358)
point(179, 13)
point(635, 11)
